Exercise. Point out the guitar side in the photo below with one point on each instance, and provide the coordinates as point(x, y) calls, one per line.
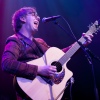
point(38, 89)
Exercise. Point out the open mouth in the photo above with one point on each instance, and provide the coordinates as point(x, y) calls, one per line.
point(36, 22)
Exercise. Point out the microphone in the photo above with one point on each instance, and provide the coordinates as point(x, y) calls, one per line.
point(47, 19)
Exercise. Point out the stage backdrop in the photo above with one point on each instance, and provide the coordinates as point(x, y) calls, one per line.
point(79, 14)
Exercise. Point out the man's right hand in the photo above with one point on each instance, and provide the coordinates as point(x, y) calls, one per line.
point(48, 71)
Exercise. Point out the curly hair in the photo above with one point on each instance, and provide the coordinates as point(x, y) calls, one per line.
point(16, 22)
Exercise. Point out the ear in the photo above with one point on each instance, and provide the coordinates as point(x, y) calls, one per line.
point(23, 19)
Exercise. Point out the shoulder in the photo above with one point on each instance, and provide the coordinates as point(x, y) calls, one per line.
point(41, 41)
point(13, 38)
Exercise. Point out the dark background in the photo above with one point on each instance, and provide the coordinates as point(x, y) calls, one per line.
point(79, 14)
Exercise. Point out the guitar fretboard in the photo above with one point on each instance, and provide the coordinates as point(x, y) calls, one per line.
point(76, 46)
point(71, 51)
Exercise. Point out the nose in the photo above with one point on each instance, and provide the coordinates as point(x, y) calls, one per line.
point(38, 18)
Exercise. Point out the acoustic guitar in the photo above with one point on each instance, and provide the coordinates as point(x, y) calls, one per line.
point(52, 89)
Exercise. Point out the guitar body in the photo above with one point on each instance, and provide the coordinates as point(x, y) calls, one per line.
point(39, 89)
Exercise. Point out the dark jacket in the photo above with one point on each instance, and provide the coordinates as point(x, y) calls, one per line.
point(18, 51)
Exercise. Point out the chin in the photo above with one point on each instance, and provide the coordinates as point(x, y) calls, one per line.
point(35, 30)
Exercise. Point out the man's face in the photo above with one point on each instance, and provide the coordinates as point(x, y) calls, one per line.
point(32, 21)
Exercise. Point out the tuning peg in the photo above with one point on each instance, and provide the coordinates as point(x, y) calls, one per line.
point(96, 22)
point(90, 25)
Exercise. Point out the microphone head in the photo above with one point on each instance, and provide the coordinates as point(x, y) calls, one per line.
point(44, 20)
point(47, 19)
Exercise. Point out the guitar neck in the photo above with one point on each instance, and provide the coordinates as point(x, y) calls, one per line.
point(92, 29)
point(71, 51)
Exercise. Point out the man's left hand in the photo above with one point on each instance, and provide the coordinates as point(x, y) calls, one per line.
point(88, 38)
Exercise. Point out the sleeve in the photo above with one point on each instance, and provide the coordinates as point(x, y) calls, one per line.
point(11, 64)
point(41, 41)
point(67, 48)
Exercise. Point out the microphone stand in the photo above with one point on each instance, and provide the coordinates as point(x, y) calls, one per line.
point(92, 54)
point(97, 58)
point(88, 55)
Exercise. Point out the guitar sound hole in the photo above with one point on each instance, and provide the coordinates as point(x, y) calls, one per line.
point(58, 65)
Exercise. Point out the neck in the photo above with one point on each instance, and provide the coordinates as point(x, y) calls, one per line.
point(26, 33)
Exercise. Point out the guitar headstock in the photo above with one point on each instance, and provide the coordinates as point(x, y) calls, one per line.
point(94, 27)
